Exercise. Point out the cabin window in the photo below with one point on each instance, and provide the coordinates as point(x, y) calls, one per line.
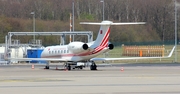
point(64, 51)
point(58, 51)
point(61, 51)
point(49, 52)
point(67, 51)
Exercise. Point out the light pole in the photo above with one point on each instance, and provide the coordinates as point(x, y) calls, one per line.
point(175, 15)
point(73, 17)
point(103, 8)
point(33, 13)
point(70, 28)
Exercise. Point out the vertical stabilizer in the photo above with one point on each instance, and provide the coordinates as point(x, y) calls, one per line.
point(104, 31)
point(103, 35)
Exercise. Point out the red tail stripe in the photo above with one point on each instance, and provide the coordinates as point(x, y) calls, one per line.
point(98, 51)
point(106, 37)
point(105, 41)
point(100, 48)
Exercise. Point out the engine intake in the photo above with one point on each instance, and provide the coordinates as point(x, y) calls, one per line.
point(85, 46)
point(111, 46)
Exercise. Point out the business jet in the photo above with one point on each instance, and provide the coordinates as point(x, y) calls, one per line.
point(77, 52)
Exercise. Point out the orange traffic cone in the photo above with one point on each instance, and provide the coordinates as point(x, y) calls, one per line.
point(32, 66)
point(56, 67)
point(122, 69)
point(65, 69)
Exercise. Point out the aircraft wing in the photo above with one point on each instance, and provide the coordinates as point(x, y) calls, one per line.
point(39, 59)
point(131, 58)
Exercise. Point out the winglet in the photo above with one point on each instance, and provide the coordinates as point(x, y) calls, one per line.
point(170, 54)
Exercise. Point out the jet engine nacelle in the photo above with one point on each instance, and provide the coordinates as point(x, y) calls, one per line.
point(111, 46)
point(77, 47)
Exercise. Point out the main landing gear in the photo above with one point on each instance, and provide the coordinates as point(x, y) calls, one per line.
point(74, 66)
point(80, 65)
point(68, 66)
point(93, 66)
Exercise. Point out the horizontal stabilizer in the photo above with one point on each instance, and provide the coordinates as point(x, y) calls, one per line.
point(111, 23)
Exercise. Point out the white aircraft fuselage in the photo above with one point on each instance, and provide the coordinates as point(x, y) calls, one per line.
point(63, 52)
point(79, 51)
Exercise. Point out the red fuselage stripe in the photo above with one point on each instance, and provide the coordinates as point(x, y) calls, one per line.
point(103, 44)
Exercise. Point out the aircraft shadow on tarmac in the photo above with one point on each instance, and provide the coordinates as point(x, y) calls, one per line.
point(62, 69)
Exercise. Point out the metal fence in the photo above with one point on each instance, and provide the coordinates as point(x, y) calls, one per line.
point(143, 51)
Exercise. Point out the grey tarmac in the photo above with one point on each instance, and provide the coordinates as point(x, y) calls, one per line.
point(108, 79)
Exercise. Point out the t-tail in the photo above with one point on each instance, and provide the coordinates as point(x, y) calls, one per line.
point(104, 31)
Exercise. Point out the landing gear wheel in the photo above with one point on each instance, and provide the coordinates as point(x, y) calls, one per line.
point(68, 67)
point(80, 67)
point(93, 66)
point(46, 67)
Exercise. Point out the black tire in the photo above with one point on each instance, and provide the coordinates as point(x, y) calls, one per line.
point(69, 67)
point(93, 67)
point(46, 67)
point(80, 67)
